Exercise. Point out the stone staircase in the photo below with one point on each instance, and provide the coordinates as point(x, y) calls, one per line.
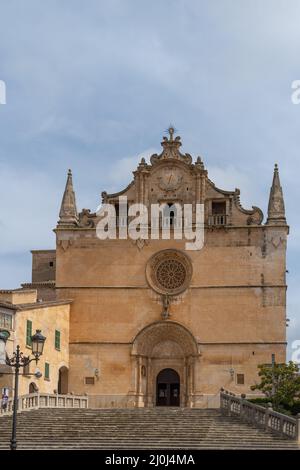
point(156, 428)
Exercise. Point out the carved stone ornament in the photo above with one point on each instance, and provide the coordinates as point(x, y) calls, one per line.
point(140, 243)
point(169, 272)
point(171, 148)
point(171, 179)
point(277, 240)
point(65, 244)
point(165, 314)
point(86, 218)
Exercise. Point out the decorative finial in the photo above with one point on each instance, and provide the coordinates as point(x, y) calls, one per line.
point(275, 167)
point(171, 130)
point(142, 163)
point(69, 172)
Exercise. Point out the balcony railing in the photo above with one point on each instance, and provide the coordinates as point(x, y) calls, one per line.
point(261, 417)
point(157, 222)
point(173, 222)
point(217, 219)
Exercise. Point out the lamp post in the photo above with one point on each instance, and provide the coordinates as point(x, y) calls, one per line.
point(19, 360)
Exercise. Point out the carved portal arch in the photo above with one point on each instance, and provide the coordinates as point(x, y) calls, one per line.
point(157, 332)
point(161, 345)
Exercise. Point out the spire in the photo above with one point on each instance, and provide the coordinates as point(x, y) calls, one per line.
point(68, 212)
point(276, 211)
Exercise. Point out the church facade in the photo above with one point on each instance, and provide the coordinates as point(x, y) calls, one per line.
point(152, 323)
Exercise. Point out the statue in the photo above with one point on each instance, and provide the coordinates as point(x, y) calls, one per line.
point(166, 307)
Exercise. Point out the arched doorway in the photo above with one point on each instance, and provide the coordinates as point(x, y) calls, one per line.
point(33, 388)
point(168, 388)
point(62, 387)
point(159, 346)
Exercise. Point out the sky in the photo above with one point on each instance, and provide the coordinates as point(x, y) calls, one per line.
point(94, 85)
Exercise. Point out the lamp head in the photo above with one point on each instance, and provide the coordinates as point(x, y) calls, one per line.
point(37, 343)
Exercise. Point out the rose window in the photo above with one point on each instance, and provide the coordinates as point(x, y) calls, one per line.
point(171, 274)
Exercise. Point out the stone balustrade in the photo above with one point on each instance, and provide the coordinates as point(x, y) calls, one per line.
point(217, 219)
point(34, 401)
point(262, 417)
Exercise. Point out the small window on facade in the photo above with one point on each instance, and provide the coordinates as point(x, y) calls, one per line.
point(240, 379)
point(169, 214)
point(121, 219)
point(90, 380)
point(5, 321)
point(28, 333)
point(47, 371)
point(57, 340)
point(51, 264)
point(218, 208)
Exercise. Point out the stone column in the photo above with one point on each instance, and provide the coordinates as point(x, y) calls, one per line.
point(150, 397)
point(137, 177)
point(185, 384)
point(140, 382)
point(192, 380)
point(141, 188)
point(198, 188)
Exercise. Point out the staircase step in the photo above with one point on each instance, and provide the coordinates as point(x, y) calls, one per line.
point(151, 428)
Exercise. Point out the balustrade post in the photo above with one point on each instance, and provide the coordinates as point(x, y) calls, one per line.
point(267, 415)
point(229, 405)
point(242, 404)
point(298, 428)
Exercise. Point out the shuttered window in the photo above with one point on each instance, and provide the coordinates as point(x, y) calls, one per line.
point(28, 332)
point(47, 371)
point(57, 340)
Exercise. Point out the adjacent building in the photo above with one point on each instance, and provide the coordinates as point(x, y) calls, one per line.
point(21, 314)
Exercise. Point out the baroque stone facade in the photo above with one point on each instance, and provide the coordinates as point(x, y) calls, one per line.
point(140, 307)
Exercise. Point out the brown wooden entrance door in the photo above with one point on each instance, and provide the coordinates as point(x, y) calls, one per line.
point(168, 388)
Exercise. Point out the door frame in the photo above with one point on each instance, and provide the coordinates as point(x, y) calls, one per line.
point(169, 386)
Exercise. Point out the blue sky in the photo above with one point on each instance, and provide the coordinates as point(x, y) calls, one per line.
point(93, 86)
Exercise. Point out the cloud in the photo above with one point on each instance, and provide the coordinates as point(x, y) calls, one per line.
point(121, 172)
point(30, 205)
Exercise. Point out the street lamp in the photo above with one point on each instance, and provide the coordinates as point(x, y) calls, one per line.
point(37, 343)
point(19, 360)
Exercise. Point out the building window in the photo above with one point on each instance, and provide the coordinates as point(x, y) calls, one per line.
point(90, 380)
point(218, 214)
point(51, 264)
point(47, 371)
point(57, 340)
point(5, 321)
point(28, 333)
point(169, 216)
point(218, 207)
point(240, 379)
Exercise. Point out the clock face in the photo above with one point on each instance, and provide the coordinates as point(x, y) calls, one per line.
point(171, 179)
